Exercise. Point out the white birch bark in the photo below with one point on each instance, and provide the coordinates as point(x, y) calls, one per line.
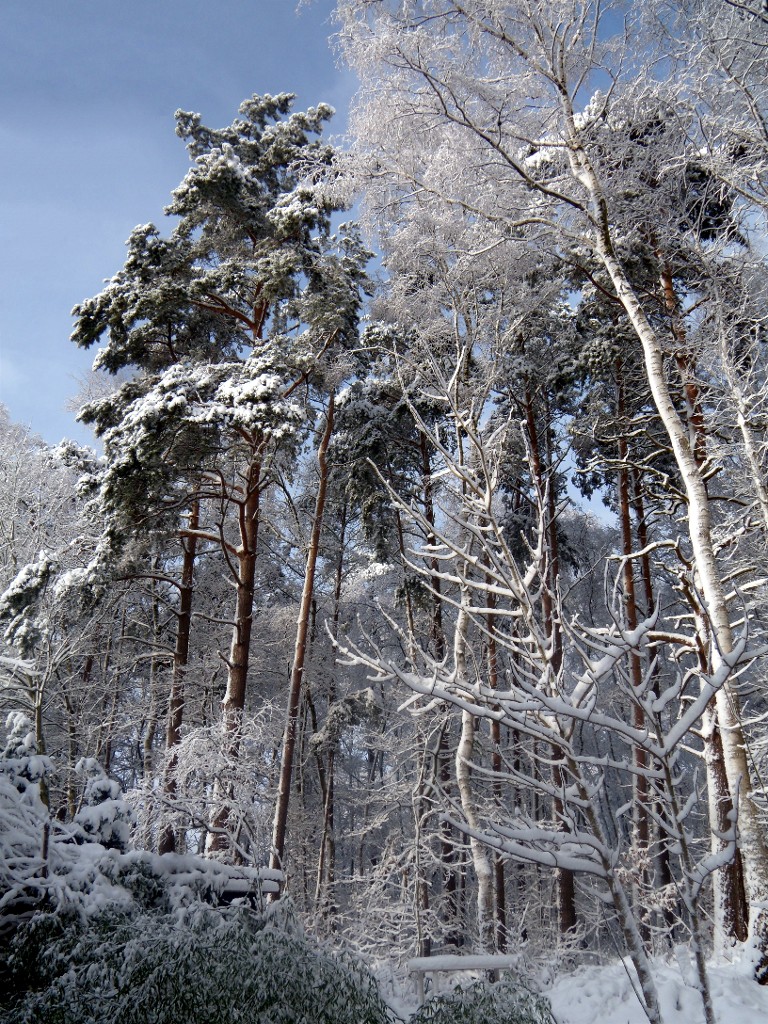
point(700, 531)
point(548, 52)
point(750, 444)
point(481, 860)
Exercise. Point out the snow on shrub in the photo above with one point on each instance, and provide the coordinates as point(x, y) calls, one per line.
point(195, 966)
point(90, 932)
point(508, 1002)
point(20, 761)
point(105, 816)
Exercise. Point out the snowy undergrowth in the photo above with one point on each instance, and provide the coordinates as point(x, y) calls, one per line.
point(198, 965)
point(604, 995)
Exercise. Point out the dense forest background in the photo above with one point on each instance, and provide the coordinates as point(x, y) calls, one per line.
point(423, 585)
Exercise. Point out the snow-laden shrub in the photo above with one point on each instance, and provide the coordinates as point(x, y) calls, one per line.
point(104, 816)
point(90, 932)
point(508, 1002)
point(24, 827)
point(197, 965)
point(20, 761)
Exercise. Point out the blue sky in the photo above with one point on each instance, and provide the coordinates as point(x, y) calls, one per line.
point(88, 89)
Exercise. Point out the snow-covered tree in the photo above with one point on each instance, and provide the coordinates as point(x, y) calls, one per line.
point(236, 328)
point(526, 116)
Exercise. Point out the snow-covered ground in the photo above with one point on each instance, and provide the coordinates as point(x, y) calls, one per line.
point(604, 995)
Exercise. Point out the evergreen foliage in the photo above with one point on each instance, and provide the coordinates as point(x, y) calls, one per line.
point(367, 540)
point(147, 966)
point(506, 1002)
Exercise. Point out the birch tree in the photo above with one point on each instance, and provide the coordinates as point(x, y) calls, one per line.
point(512, 98)
point(572, 704)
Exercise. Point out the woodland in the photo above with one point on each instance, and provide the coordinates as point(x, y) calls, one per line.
point(414, 591)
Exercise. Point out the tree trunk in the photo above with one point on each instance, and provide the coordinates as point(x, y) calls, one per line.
point(663, 860)
point(167, 841)
point(233, 704)
point(480, 858)
point(438, 636)
point(731, 910)
point(754, 849)
point(300, 651)
point(566, 884)
point(640, 757)
point(326, 866)
point(730, 905)
point(496, 766)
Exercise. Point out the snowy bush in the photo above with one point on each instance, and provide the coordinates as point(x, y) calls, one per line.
point(508, 1002)
point(104, 816)
point(20, 760)
point(24, 826)
point(194, 966)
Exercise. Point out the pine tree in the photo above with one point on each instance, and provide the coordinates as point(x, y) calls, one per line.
point(233, 327)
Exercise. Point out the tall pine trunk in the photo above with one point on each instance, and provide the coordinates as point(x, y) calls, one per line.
point(277, 856)
point(167, 840)
point(545, 484)
point(640, 757)
point(238, 661)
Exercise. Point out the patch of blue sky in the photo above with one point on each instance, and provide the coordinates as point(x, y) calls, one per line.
point(87, 135)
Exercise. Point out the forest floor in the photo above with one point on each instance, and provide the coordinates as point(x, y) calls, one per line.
point(605, 994)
